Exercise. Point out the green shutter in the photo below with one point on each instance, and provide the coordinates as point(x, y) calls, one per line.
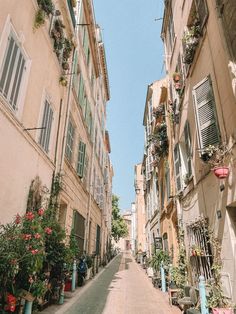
point(75, 71)
point(187, 138)
point(81, 91)
point(205, 111)
point(81, 159)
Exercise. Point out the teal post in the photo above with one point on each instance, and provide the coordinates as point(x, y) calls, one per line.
point(61, 299)
point(28, 307)
point(73, 276)
point(163, 279)
point(202, 292)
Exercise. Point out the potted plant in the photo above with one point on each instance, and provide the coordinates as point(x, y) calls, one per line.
point(46, 7)
point(215, 156)
point(190, 41)
point(216, 301)
point(176, 76)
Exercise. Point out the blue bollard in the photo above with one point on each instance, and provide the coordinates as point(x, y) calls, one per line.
point(163, 279)
point(28, 307)
point(202, 292)
point(73, 277)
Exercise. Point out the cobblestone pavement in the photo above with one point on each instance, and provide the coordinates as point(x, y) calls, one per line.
point(122, 288)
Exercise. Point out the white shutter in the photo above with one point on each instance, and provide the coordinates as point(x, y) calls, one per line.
point(187, 138)
point(177, 168)
point(205, 111)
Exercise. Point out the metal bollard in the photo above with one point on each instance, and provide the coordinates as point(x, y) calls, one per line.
point(61, 299)
point(163, 279)
point(28, 307)
point(73, 276)
point(202, 292)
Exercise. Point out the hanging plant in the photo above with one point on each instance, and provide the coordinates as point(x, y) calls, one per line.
point(63, 81)
point(46, 7)
point(190, 41)
point(57, 34)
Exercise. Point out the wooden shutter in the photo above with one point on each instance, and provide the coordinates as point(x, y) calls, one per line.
point(187, 138)
point(206, 117)
point(75, 71)
point(81, 91)
point(202, 11)
point(81, 159)
point(177, 168)
point(98, 240)
point(12, 72)
point(167, 179)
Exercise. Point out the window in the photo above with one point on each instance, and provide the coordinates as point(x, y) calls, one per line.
point(86, 164)
point(98, 240)
point(70, 141)
point(44, 138)
point(202, 11)
point(79, 229)
point(81, 92)
point(81, 159)
point(12, 72)
point(167, 179)
point(177, 168)
point(200, 250)
point(188, 148)
point(205, 112)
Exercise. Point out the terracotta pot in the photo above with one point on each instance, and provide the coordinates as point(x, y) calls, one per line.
point(176, 77)
point(221, 172)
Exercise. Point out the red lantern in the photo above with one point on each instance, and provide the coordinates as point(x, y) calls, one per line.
point(221, 172)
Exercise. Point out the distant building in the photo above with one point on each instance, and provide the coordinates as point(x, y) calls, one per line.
point(125, 244)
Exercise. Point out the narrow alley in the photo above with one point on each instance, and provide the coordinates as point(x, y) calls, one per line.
point(122, 288)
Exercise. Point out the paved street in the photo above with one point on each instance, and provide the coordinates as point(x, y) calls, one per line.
point(123, 288)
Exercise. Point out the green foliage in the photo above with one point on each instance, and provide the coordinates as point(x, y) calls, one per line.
point(159, 257)
point(46, 8)
point(89, 261)
point(119, 228)
point(39, 18)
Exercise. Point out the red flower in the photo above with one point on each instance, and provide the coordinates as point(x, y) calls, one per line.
point(18, 219)
point(27, 236)
point(34, 251)
point(41, 211)
point(29, 216)
point(37, 236)
point(48, 230)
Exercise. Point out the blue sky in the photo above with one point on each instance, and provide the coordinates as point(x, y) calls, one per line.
point(134, 54)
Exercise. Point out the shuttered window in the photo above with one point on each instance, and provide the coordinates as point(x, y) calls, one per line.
point(70, 141)
point(81, 159)
point(75, 72)
point(81, 91)
point(167, 179)
point(86, 164)
point(202, 11)
point(187, 139)
point(12, 72)
point(78, 231)
point(206, 117)
point(98, 240)
point(177, 168)
point(45, 133)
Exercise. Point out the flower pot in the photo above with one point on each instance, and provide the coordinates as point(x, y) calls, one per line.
point(221, 172)
point(176, 77)
point(177, 86)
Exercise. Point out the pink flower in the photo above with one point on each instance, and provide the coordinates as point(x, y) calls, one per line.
point(48, 230)
point(26, 236)
point(41, 211)
point(34, 251)
point(29, 216)
point(37, 236)
point(18, 219)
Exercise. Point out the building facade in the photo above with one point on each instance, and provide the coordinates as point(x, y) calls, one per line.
point(53, 94)
point(199, 40)
point(140, 240)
